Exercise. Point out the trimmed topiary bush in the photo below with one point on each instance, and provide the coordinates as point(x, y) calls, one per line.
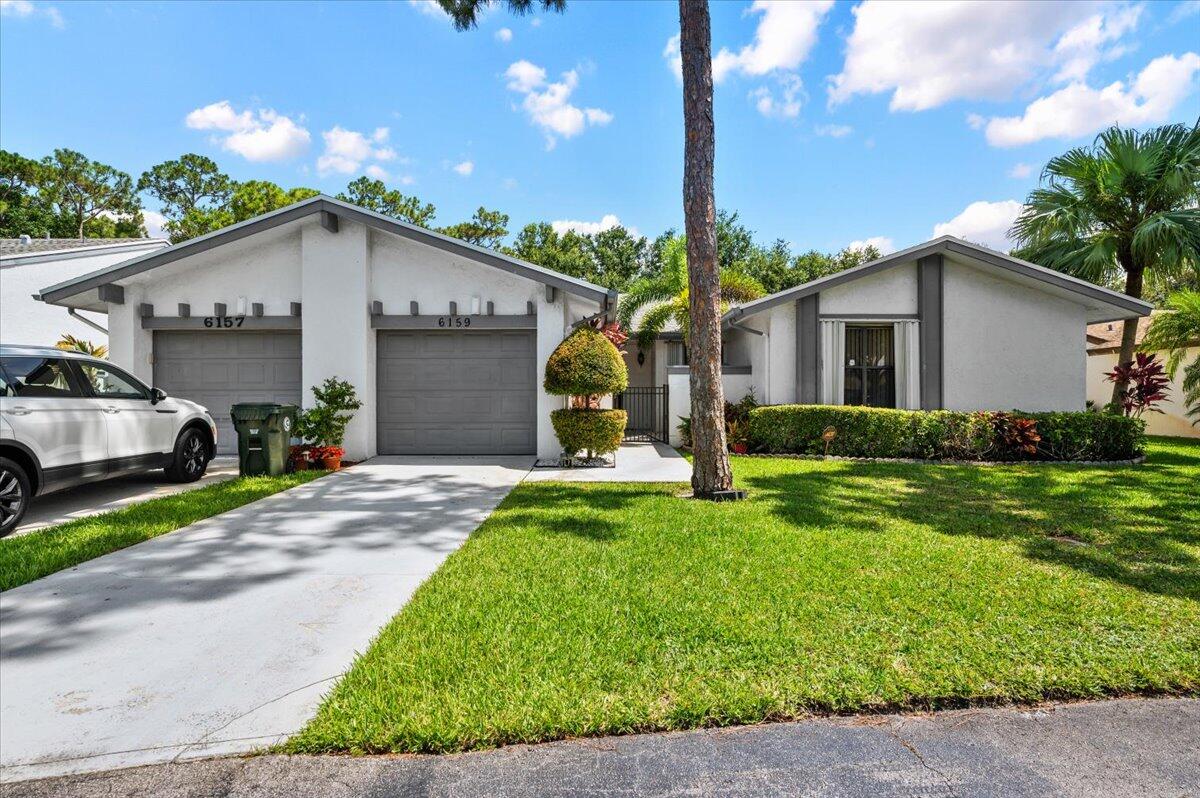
point(585, 364)
point(589, 430)
point(945, 434)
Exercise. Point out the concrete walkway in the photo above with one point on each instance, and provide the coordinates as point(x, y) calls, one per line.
point(223, 636)
point(113, 494)
point(636, 462)
point(1132, 747)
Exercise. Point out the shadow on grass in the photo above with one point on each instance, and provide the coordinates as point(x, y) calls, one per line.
point(578, 509)
point(1137, 526)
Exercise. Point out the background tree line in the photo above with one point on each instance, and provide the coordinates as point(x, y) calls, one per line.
point(68, 195)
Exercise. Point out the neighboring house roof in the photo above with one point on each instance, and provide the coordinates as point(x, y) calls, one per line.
point(1104, 299)
point(1106, 337)
point(39, 250)
point(322, 204)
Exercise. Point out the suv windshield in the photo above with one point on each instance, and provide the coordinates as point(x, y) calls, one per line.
point(39, 377)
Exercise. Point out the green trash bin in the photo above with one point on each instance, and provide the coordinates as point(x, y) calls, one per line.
point(264, 433)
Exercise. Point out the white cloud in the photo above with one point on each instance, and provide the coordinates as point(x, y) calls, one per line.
point(262, 136)
point(833, 131)
point(787, 104)
point(927, 54)
point(1078, 110)
point(524, 76)
point(430, 8)
point(548, 104)
point(607, 221)
point(1084, 45)
point(465, 168)
point(153, 221)
point(407, 180)
point(1020, 171)
point(504, 35)
point(785, 35)
point(674, 60)
point(377, 172)
point(347, 150)
point(536, 22)
point(1187, 8)
point(25, 9)
point(983, 222)
point(881, 243)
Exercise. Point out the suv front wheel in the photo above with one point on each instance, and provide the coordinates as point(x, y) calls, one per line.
point(190, 459)
point(14, 495)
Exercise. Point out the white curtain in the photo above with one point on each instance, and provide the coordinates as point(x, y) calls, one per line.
point(833, 361)
point(908, 364)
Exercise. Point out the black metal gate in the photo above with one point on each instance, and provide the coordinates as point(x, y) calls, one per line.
point(647, 410)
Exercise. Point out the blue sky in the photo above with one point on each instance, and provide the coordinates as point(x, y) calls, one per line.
point(836, 122)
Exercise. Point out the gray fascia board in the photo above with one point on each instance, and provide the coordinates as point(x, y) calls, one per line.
point(958, 247)
point(316, 205)
point(152, 260)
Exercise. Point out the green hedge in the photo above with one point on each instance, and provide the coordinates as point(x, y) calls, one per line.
point(585, 364)
point(585, 429)
point(940, 434)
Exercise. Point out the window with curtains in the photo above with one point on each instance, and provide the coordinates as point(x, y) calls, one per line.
point(870, 368)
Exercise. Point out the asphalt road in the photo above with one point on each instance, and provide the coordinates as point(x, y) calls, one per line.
point(1130, 747)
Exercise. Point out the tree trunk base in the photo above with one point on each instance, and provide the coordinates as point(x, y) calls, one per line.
point(717, 496)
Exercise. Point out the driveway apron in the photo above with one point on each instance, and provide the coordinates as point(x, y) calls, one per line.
point(222, 637)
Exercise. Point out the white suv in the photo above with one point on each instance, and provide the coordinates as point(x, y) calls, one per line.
point(67, 418)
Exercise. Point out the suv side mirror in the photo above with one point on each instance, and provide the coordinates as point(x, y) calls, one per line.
point(157, 395)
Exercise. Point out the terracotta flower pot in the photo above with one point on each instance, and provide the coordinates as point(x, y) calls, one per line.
point(331, 463)
point(300, 464)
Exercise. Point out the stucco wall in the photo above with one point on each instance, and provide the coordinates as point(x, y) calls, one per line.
point(336, 277)
point(1007, 346)
point(24, 320)
point(1172, 421)
point(772, 357)
point(891, 291)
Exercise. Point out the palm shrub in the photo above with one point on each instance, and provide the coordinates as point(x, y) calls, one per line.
point(1126, 207)
point(1175, 331)
point(666, 294)
point(70, 343)
point(585, 367)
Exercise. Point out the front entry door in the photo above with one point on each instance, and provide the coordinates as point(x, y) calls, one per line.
point(870, 367)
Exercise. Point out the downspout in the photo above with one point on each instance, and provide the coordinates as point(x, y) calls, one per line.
point(87, 321)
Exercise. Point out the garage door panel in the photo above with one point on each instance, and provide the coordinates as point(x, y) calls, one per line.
point(221, 368)
point(453, 392)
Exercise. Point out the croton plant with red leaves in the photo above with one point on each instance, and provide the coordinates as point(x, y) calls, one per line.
point(1145, 381)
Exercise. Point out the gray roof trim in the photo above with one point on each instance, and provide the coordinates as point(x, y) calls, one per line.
point(317, 205)
point(957, 246)
point(46, 256)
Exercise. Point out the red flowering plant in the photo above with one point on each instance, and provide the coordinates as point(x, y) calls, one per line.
point(1015, 435)
point(1146, 384)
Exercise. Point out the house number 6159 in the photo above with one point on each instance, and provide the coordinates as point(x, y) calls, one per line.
point(454, 321)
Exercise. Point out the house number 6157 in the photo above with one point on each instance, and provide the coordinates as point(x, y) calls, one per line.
point(223, 321)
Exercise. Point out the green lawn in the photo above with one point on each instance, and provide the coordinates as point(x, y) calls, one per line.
point(595, 609)
point(37, 554)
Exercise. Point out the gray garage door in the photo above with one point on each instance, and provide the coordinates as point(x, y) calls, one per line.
point(457, 392)
point(220, 368)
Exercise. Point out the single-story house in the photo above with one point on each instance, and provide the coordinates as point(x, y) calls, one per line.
point(1103, 349)
point(445, 342)
point(943, 325)
point(27, 264)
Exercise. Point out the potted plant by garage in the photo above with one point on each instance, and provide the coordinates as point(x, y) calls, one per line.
point(300, 457)
point(586, 366)
point(324, 424)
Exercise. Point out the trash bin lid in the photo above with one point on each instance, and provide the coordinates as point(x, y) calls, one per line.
point(255, 411)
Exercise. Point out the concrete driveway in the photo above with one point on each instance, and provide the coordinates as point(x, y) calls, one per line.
point(222, 637)
point(113, 494)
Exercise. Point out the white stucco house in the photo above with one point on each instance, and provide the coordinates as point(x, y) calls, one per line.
point(445, 342)
point(1103, 350)
point(27, 264)
point(943, 325)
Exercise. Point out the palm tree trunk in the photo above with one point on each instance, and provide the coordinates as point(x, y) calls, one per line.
point(1133, 288)
point(710, 464)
